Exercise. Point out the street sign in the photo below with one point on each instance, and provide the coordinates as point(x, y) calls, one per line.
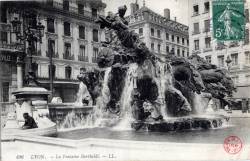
point(228, 20)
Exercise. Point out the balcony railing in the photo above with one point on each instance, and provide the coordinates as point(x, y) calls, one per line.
point(12, 46)
point(68, 56)
point(83, 58)
point(54, 55)
point(73, 11)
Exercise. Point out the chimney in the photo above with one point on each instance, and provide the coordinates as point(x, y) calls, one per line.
point(134, 7)
point(175, 19)
point(167, 13)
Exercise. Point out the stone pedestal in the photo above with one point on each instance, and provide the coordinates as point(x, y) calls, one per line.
point(19, 73)
point(28, 98)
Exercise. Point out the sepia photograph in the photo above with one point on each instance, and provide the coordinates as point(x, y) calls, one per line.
point(124, 80)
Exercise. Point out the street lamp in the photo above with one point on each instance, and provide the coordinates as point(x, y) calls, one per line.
point(31, 34)
point(16, 24)
point(228, 61)
point(40, 29)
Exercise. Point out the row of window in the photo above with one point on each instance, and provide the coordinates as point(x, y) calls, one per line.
point(67, 29)
point(208, 41)
point(196, 27)
point(173, 37)
point(65, 5)
point(67, 49)
point(67, 70)
point(83, 56)
point(80, 8)
point(179, 51)
point(196, 8)
point(4, 35)
point(234, 58)
point(177, 39)
point(158, 47)
point(158, 32)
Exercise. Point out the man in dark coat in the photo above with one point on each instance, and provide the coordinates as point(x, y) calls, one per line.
point(29, 122)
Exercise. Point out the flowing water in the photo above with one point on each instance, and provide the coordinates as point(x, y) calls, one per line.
point(101, 117)
point(82, 93)
point(105, 88)
point(72, 120)
point(200, 103)
point(126, 111)
point(103, 100)
point(163, 79)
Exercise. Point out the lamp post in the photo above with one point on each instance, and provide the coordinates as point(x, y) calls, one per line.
point(31, 34)
point(229, 61)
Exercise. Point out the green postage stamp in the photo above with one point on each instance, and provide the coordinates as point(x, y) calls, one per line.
point(228, 20)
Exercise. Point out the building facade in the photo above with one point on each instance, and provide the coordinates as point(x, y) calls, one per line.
point(160, 33)
point(72, 38)
point(215, 52)
point(11, 56)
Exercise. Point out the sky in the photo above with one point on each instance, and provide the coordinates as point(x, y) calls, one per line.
point(178, 8)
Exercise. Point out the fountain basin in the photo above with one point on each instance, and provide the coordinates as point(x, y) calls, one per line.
point(181, 123)
point(59, 111)
point(47, 129)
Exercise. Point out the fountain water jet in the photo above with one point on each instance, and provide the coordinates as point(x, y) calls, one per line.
point(105, 88)
point(164, 79)
point(126, 99)
point(102, 100)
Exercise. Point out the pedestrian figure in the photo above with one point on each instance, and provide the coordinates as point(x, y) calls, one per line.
point(29, 122)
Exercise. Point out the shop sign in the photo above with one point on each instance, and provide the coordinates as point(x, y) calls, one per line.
point(7, 57)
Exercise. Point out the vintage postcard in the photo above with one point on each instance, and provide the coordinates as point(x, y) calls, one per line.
point(113, 80)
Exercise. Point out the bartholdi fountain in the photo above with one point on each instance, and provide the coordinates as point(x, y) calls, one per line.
point(138, 89)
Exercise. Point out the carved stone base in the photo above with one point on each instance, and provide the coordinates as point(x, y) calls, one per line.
point(180, 124)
